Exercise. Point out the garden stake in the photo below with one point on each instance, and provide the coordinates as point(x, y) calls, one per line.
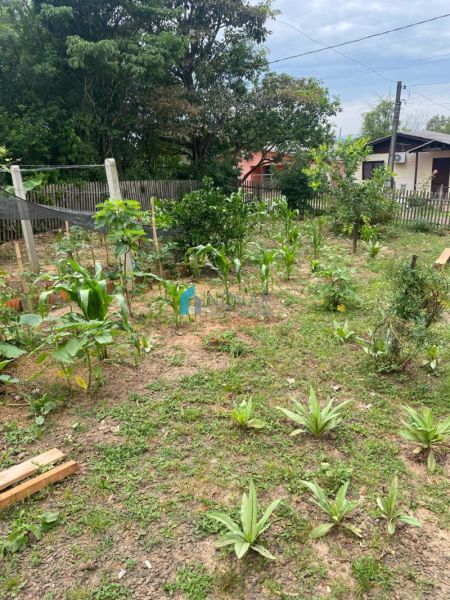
point(155, 236)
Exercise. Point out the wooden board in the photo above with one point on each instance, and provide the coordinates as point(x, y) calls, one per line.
point(29, 467)
point(31, 486)
point(443, 259)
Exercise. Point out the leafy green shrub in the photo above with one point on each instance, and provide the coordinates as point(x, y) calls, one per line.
point(314, 419)
point(245, 535)
point(337, 509)
point(337, 291)
point(391, 345)
point(430, 436)
point(418, 292)
point(207, 216)
point(391, 512)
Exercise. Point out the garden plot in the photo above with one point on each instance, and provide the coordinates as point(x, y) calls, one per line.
point(167, 447)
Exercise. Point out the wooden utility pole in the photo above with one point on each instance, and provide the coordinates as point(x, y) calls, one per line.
point(395, 124)
point(115, 194)
point(27, 230)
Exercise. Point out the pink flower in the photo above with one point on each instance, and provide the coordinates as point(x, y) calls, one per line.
point(435, 172)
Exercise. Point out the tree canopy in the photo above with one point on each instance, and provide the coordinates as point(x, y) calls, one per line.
point(377, 123)
point(167, 87)
point(439, 123)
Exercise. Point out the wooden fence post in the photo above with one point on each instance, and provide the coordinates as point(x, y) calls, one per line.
point(27, 229)
point(112, 178)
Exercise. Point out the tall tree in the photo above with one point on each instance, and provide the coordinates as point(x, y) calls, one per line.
point(377, 123)
point(439, 123)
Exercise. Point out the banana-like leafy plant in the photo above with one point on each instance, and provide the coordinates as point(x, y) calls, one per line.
point(430, 436)
point(242, 414)
point(87, 291)
point(337, 509)
point(218, 260)
point(244, 536)
point(391, 512)
point(174, 290)
point(314, 419)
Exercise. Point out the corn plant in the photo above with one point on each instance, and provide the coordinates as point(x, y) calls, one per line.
point(174, 290)
point(218, 260)
point(430, 436)
point(288, 253)
point(391, 512)
point(337, 509)
point(242, 414)
point(314, 419)
point(314, 232)
point(264, 258)
point(245, 535)
point(342, 331)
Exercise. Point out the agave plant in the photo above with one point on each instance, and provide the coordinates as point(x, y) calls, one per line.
point(342, 331)
point(336, 509)
point(242, 414)
point(373, 248)
point(429, 436)
point(314, 419)
point(391, 512)
point(245, 535)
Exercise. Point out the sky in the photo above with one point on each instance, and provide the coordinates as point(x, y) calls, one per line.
point(419, 56)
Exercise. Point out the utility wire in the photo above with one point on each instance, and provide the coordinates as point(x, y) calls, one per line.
point(326, 46)
point(367, 37)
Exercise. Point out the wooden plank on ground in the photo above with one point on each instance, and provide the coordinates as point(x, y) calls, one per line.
point(31, 486)
point(29, 467)
point(443, 259)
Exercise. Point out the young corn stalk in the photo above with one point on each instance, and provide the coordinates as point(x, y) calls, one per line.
point(245, 535)
point(337, 509)
point(174, 290)
point(264, 258)
point(218, 260)
point(391, 512)
point(314, 419)
point(430, 436)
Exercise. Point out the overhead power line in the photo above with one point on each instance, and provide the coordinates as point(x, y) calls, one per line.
point(354, 41)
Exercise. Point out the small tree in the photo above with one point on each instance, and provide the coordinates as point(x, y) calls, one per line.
point(333, 171)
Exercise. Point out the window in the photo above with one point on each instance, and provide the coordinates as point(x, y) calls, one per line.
point(368, 167)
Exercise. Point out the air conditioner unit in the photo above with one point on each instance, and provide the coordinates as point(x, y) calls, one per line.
point(400, 157)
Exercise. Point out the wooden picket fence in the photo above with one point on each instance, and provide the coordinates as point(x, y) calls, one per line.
point(412, 208)
point(85, 197)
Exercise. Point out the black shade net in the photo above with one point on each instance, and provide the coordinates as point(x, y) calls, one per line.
point(16, 209)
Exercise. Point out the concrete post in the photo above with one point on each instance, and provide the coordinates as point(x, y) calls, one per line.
point(27, 230)
point(112, 178)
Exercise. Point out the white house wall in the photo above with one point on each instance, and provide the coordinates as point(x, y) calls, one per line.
point(404, 172)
